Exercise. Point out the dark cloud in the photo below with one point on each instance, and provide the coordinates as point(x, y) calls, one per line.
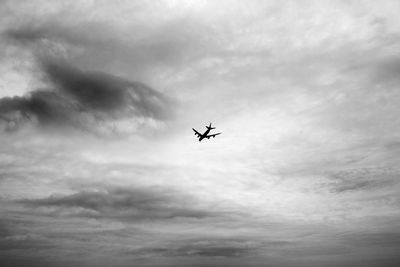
point(23, 242)
point(352, 186)
point(5, 228)
point(97, 91)
point(196, 251)
point(84, 100)
point(377, 239)
point(223, 251)
point(362, 179)
point(25, 34)
point(386, 70)
point(92, 101)
point(322, 250)
point(213, 247)
point(45, 107)
point(17, 239)
point(122, 204)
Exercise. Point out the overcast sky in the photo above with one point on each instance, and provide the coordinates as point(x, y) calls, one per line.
point(99, 165)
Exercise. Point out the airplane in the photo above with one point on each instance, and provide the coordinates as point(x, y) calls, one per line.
point(205, 134)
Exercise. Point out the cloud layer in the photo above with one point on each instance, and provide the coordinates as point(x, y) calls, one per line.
point(305, 172)
point(122, 204)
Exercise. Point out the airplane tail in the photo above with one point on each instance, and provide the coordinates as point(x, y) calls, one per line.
point(209, 127)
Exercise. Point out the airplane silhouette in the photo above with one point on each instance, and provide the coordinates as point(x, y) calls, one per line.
point(205, 134)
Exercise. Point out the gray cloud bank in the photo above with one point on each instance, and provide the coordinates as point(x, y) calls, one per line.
point(84, 100)
point(212, 247)
point(91, 101)
point(122, 204)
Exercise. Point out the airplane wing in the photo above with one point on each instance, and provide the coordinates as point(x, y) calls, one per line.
point(196, 132)
point(212, 135)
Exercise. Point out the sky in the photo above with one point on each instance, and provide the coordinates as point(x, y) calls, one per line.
point(100, 166)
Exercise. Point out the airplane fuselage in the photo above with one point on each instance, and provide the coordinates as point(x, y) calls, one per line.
point(204, 134)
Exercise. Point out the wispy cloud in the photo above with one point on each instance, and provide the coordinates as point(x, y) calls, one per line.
point(362, 179)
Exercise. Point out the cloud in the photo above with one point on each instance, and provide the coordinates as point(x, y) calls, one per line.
point(23, 242)
point(107, 47)
point(96, 102)
point(211, 247)
point(122, 204)
point(362, 179)
point(5, 228)
point(387, 70)
point(46, 107)
point(93, 101)
point(105, 93)
point(25, 34)
point(374, 239)
point(305, 94)
point(198, 250)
